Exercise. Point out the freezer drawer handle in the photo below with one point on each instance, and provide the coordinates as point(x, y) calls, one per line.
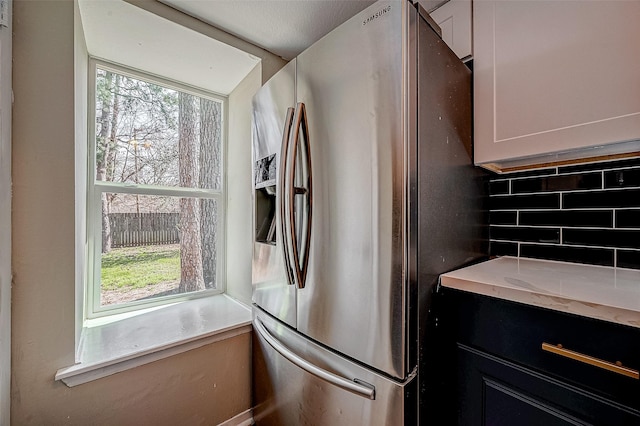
point(615, 367)
point(355, 386)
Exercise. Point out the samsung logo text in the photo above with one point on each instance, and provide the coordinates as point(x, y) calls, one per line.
point(376, 15)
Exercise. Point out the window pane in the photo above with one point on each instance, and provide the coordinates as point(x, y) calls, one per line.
point(152, 135)
point(156, 246)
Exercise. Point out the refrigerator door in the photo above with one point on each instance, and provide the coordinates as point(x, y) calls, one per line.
point(272, 121)
point(297, 382)
point(352, 83)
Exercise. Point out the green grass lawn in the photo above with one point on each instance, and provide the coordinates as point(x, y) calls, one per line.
point(136, 267)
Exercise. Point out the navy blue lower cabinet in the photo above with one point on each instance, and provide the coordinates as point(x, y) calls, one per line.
point(496, 372)
point(496, 392)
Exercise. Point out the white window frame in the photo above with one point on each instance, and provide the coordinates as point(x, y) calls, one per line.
point(95, 189)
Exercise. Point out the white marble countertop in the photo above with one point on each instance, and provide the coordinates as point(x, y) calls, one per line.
point(610, 294)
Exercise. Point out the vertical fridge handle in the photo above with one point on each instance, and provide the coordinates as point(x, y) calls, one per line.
point(300, 255)
point(282, 197)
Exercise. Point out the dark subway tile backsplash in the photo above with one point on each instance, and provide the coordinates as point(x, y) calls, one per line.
point(528, 173)
point(628, 259)
point(557, 183)
point(628, 218)
point(499, 187)
point(497, 248)
point(622, 178)
point(504, 218)
point(572, 218)
point(594, 256)
point(608, 165)
point(594, 199)
point(565, 214)
point(515, 202)
point(602, 237)
point(518, 233)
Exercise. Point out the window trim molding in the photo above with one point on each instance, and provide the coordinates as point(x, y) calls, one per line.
point(93, 226)
point(124, 344)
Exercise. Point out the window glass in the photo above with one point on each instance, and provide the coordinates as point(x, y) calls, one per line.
point(153, 135)
point(158, 202)
point(148, 255)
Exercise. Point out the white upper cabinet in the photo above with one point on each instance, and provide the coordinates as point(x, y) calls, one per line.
point(454, 18)
point(555, 81)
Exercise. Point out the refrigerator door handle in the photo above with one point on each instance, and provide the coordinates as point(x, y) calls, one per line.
point(300, 255)
point(282, 197)
point(355, 386)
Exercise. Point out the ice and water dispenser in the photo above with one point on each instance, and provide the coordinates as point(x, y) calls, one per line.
point(265, 199)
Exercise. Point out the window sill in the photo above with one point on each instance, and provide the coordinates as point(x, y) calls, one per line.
point(118, 346)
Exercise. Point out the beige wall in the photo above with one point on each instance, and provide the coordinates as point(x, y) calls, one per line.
point(5, 222)
point(202, 386)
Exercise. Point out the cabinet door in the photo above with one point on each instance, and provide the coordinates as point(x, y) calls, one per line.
point(454, 19)
point(495, 392)
point(552, 76)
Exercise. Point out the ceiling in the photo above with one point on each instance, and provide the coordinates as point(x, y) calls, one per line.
point(119, 32)
point(284, 28)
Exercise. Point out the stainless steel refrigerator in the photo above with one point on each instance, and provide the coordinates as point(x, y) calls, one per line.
point(364, 193)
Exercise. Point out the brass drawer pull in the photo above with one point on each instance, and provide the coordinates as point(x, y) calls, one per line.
point(615, 367)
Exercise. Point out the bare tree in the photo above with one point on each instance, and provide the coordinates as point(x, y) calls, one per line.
point(191, 278)
point(136, 139)
point(210, 178)
point(105, 145)
point(152, 135)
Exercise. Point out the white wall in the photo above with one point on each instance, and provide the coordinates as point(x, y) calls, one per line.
point(80, 67)
point(239, 185)
point(5, 221)
point(270, 62)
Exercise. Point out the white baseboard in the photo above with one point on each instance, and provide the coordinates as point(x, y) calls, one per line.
point(243, 419)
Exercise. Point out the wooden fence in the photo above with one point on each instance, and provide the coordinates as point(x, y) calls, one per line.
point(133, 229)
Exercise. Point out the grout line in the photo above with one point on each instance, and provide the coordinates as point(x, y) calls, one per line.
point(596, 170)
point(556, 174)
point(555, 226)
point(577, 209)
point(566, 245)
point(571, 191)
point(530, 242)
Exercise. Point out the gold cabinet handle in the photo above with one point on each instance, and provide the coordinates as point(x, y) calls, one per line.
point(615, 367)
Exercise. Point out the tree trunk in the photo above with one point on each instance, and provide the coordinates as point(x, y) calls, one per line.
point(103, 152)
point(191, 278)
point(210, 178)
